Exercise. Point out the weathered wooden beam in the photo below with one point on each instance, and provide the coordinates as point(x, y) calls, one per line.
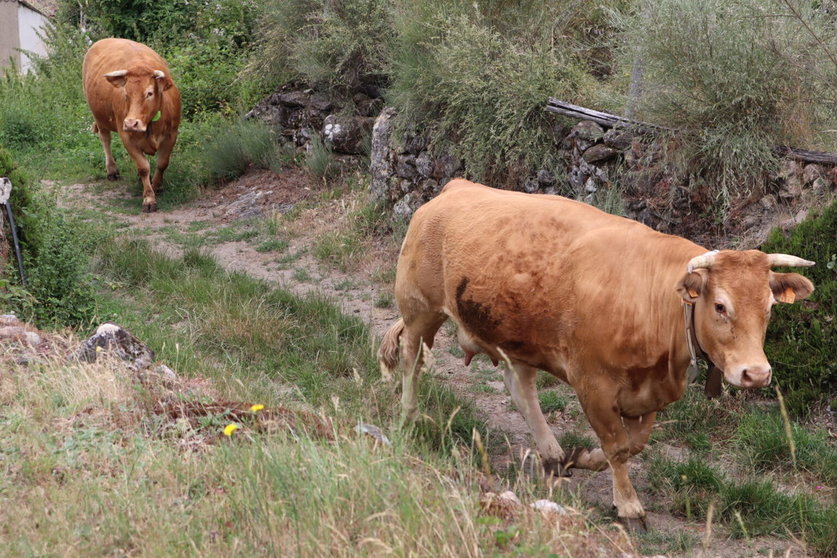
point(613, 121)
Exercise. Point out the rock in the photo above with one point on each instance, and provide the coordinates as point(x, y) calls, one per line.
point(374, 431)
point(429, 187)
point(112, 338)
point(618, 139)
point(820, 185)
point(531, 185)
point(414, 143)
point(598, 153)
point(546, 178)
point(792, 188)
point(768, 202)
point(787, 168)
point(583, 135)
point(12, 329)
point(446, 166)
point(346, 134)
point(294, 99)
point(406, 206)
point(166, 372)
point(810, 173)
point(590, 186)
point(424, 164)
point(321, 103)
point(405, 166)
point(381, 164)
point(510, 497)
point(548, 507)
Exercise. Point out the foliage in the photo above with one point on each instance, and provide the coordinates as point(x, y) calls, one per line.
point(800, 337)
point(337, 46)
point(54, 256)
point(233, 148)
point(479, 85)
point(732, 73)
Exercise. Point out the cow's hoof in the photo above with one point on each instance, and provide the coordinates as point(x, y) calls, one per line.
point(555, 468)
point(149, 207)
point(634, 524)
point(113, 176)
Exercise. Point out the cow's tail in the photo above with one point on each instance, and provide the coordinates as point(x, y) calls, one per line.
point(389, 352)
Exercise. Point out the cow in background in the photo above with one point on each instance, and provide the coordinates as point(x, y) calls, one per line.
point(601, 302)
point(130, 91)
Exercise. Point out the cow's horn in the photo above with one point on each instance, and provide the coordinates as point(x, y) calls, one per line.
point(704, 260)
point(787, 260)
point(158, 74)
point(117, 73)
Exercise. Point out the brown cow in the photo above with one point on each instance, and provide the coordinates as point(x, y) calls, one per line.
point(596, 300)
point(130, 91)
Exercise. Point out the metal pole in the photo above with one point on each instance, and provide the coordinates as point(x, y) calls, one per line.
point(5, 192)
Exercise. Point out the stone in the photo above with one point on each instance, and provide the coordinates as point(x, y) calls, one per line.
point(294, 99)
point(548, 507)
point(405, 166)
point(792, 188)
point(446, 166)
point(380, 162)
point(406, 206)
point(768, 202)
point(820, 185)
point(546, 178)
point(618, 139)
point(583, 135)
point(810, 173)
point(414, 143)
point(590, 186)
point(430, 187)
point(531, 185)
point(347, 134)
point(321, 103)
point(110, 338)
point(424, 164)
point(599, 153)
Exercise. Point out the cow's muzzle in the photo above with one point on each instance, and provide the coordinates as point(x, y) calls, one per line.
point(753, 376)
point(133, 125)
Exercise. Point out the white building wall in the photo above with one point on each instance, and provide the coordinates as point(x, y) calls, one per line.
point(30, 24)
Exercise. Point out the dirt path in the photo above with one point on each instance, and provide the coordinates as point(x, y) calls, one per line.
point(235, 226)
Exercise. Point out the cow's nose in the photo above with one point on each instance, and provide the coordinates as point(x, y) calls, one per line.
point(133, 125)
point(756, 376)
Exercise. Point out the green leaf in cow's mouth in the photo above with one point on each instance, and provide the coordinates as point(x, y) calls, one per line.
point(156, 117)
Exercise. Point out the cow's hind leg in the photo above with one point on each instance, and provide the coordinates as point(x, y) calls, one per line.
point(418, 332)
point(520, 381)
point(110, 162)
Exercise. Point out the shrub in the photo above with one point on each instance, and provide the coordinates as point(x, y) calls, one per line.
point(236, 146)
point(733, 73)
point(800, 338)
point(330, 45)
point(481, 90)
point(55, 260)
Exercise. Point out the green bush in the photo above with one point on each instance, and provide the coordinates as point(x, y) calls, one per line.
point(743, 76)
point(330, 45)
point(54, 257)
point(800, 338)
point(478, 87)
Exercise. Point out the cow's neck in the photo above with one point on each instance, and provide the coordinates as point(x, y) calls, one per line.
point(712, 388)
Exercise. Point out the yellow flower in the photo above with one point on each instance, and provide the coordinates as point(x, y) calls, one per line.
point(230, 428)
point(256, 408)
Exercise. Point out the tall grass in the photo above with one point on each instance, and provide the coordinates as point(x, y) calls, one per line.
point(733, 73)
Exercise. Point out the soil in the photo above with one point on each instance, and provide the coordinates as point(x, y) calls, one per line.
point(362, 289)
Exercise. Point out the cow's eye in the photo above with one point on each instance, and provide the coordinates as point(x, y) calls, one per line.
point(720, 308)
point(149, 94)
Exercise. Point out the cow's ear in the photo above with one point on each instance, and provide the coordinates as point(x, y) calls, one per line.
point(117, 78)
point(162, 79)
point(790, 287)
point(691, 285)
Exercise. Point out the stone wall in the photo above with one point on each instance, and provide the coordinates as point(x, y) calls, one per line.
point(299, 114)
point(614, 169)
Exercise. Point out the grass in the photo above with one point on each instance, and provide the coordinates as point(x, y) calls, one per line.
point(551, 400)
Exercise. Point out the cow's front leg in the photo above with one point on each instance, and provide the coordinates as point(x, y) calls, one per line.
point(617, 442)
point(149, 200)
point(520, 381)
point(163, 156)
point(110, 162)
